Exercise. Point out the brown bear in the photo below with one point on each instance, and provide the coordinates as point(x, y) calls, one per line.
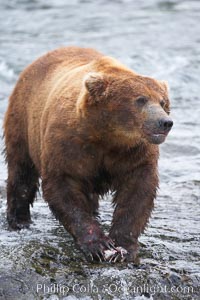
point(85, 124)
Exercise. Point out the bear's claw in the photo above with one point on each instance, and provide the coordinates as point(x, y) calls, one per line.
point(95, 250)
point(117, 254)
point(111, 255)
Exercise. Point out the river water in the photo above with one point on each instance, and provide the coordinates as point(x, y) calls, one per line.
point(156, 38)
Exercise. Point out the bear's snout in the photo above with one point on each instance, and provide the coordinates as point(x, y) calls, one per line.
point(157, 124)
point(165, 124)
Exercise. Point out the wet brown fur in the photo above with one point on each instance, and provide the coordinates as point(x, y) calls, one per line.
point(82, 139)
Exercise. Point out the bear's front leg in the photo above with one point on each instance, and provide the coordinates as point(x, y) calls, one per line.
point(71, 207)
point(134, 203)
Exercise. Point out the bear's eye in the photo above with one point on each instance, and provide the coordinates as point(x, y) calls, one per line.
point(142, 100)
point(162, 103)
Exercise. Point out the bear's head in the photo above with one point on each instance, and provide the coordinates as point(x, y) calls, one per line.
point(123, 107)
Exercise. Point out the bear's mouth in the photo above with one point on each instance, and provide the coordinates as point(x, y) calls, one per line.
point(156, 137)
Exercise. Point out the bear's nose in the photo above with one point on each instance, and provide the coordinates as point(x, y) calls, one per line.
point(165, 124)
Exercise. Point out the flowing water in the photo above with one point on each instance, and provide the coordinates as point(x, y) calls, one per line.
point(156, 38)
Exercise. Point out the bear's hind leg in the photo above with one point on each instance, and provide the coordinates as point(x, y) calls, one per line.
point(22, 185)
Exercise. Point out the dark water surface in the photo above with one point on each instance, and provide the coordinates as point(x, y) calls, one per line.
point(156, 38)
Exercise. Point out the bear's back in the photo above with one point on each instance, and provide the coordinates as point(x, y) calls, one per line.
point(31, 93)
point(66, 56)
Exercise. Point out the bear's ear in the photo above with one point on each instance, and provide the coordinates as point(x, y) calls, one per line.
point(95, 84)
point(165, 85)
